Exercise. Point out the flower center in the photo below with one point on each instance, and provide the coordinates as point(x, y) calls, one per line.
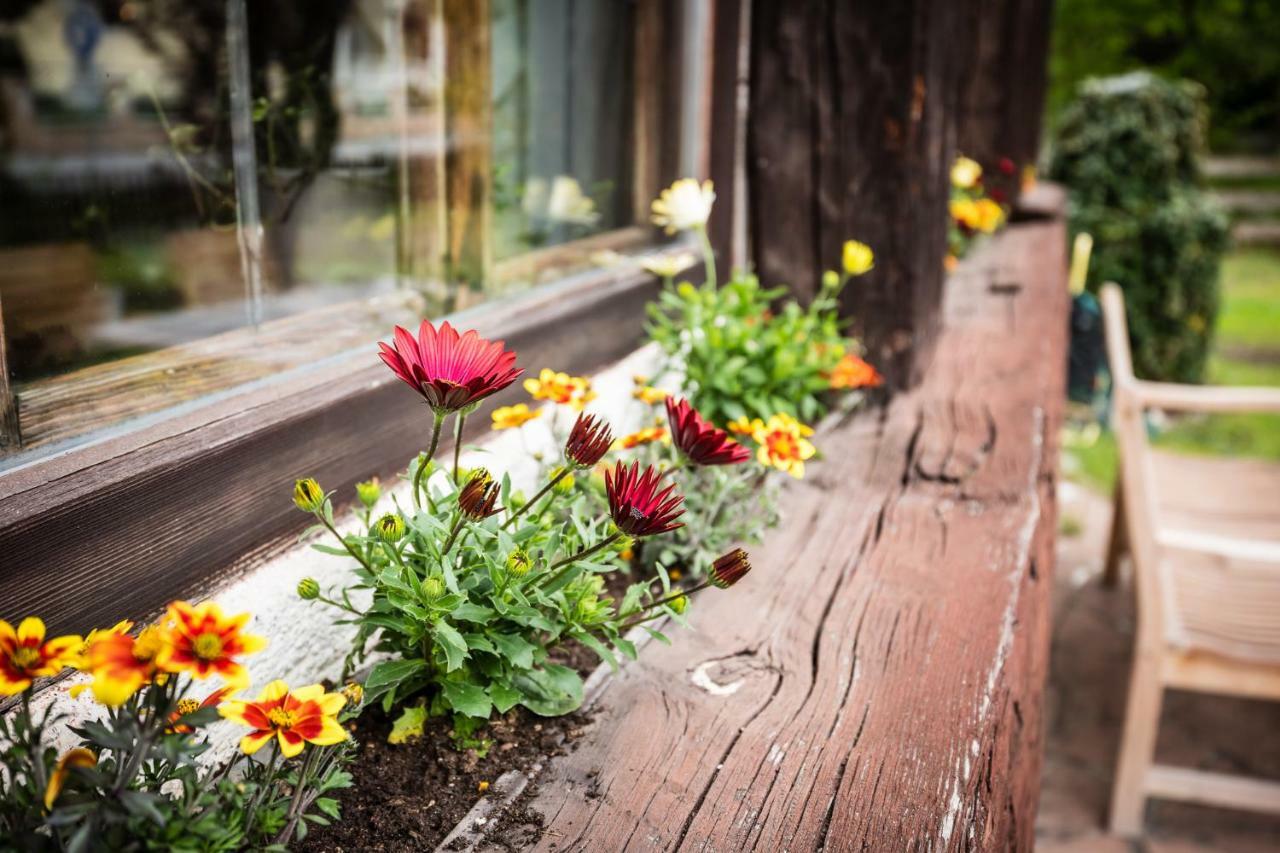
point(781, 446)
point(25, 657)
point(280, 718)
point(186, 706)
point(207, 646)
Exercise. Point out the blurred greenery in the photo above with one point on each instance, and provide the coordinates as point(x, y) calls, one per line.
point(1228, 46)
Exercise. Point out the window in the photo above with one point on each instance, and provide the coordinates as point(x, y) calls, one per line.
point(199, 194)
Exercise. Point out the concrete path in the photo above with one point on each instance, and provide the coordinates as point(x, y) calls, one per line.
point(1088, 677)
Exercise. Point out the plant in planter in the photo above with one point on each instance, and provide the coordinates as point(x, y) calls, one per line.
point(469, 591)
point(973, 211)
point(133, 782)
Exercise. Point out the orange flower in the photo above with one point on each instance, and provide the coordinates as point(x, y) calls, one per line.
point(295, 718)
point(853, 372)
point(950, 262)
point(190, 706)
point(78, 757)
point(122, 664)
point(124, 626)
point(572, 391)
point(203, 642)
point(784, 444)
point(25, 655)
point(643, 436)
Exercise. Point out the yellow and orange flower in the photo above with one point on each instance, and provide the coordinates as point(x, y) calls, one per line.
point(204, 642)
point(78, 757)
point(649, 395)
point(853, 372)
point(745, 425)
point(121, 664)
point(990, 215)
point(24, 654)
point(507, 417)
point(295, 718)
point(124, 626)
point(965, 211)
point(857, 258)
point(783, 444)
point(190, 706)
point(643, 436)
point(950, 262)
point(572, 391)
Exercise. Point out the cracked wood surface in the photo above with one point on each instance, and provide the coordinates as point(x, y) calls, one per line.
point(876, 682)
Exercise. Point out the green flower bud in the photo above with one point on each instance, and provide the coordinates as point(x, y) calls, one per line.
point(679, 605)
point(565, 485)
point(830, 279)
point(308, 589)
point(433, 588)
point(369, 492)
point(353, 693)
point(307, 495)
point(518, 563)
point(389, 528)
point(687, 291)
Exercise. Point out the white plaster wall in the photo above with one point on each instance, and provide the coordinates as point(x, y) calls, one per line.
point(304, 646)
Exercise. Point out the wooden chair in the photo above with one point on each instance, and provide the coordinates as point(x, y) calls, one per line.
point(1207, 580)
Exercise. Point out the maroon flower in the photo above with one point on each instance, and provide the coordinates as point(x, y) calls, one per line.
point(450, 372)
point(637, 507)
point(589, 441)
point(729, 569)
point(1007, 165)
point(699, 440)
point(479, 497)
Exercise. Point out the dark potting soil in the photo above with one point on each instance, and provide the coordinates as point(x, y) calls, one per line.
point(410, 796)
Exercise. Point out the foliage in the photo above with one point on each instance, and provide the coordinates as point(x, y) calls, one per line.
point(1217, 43)
point(1127, 150)
point(133, 781)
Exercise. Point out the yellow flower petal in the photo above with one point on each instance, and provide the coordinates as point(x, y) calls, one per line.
point(288, 749)
point(254, 741)
point(331, 732)
point(31, 629)
point(273, 691)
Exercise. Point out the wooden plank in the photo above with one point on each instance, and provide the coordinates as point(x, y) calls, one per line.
point(10, 433)
point(886, 690)
point(851, 135)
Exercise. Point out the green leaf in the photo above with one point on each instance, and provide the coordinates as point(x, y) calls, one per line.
point(466, 699)
point(479, 643)
point(588, 639)
point(390, 674)
point(514, 648)
point(504, 696)
point(469, 612)
point(551, 691)
point(451, 642)
point(407, 726)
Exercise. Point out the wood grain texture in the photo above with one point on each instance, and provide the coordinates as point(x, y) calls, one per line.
point(851, 135)
point(876, 682)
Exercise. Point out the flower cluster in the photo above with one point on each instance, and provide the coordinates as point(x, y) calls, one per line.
point(974, 211)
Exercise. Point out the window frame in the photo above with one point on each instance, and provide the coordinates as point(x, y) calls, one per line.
point(172, 504)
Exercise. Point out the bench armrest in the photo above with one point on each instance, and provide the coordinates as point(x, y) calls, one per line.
point(1207, 398)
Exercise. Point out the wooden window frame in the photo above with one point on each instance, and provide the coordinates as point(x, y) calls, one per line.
point(171, 505)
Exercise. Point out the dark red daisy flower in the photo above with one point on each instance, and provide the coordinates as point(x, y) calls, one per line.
point(699, 440)
point(729, 569)
point(636, 504)
point(448, 370)
point(589, 441)
point(479, 497)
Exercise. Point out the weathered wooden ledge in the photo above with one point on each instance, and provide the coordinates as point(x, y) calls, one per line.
point(877, 682)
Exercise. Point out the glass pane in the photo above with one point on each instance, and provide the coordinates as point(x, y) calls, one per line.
point(192, 182)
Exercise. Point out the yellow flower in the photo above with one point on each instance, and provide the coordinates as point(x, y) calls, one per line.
point(24, 655)
point(643, 436)
point(204, 642)
point(121, 664)
point(573, 391)
point(950, 262)
point(668, 266)
point(784, 444)
point(858, 257)
point(649, 395)
point(78, 757)
point(990, 215)
point(507, 417)
point(295, 718)
point(965, 211)
point(965, 173)
point(683, 206)
point(124, 626)
point(745, 425)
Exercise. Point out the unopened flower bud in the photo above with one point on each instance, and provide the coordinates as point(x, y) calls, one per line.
point(369, 491)
point(307, 495)
point(433, 588)
point(479, 497)
point(308, 589)
point(564, 485)
point(729, 569)
point(830, 279)
point(518, 563)
point(679, 605)
point(589, 441)
point(354, 694)
point(389, 528)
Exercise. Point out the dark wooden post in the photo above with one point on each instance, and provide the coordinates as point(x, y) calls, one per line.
point(851, 135)
point(1002, 104)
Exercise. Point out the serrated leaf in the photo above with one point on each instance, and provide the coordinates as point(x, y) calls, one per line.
point(390, 674)
point(466, 699)
point(451, 642)
point(406, 727)
point(504, 697)
point(514, 648)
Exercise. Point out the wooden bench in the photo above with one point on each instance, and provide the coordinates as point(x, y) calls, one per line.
point(876, 682)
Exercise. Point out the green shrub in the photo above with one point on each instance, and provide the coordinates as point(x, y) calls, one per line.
point(1128, 151)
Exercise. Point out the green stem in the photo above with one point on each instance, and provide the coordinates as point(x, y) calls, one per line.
point(662, 601)
point(457, 445)
point(352, 551)
point(560, 475)
point(453, 534)
point(567, 563)
point(267, 780)
point(431, 454)
point(295, 812)
point(338, 604)
point(708, 255)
